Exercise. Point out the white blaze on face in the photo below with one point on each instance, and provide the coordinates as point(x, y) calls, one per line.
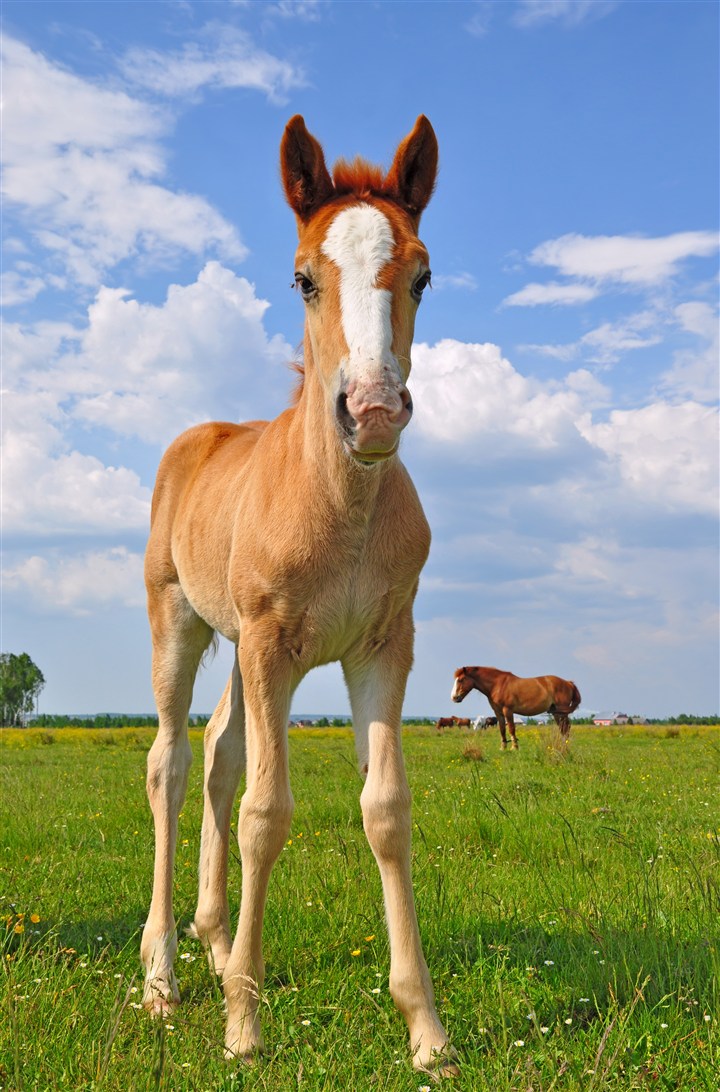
point(360, 242)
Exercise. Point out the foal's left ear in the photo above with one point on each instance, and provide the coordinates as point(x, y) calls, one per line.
point(305, 177)
point(414, 170)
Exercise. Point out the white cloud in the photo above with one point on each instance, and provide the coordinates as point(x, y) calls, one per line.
point(17, 287)
point(454, 280)
point(83, 169)
point(479, 22)
point(80, 583)
point(533, 295)
point(135, 370)
point(49, 488)
point(306, 10)
point(624, 259)
point(223, 57)
point(666, 454)
point(463, 391)
point(150, 371)
point(694, 372)
point(607, 343)
point(568, 13)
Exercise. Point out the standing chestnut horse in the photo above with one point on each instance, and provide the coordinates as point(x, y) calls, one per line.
point(301, 540)
point(509, 694)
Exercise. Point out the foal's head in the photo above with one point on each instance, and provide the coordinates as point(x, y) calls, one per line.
point(361, 270)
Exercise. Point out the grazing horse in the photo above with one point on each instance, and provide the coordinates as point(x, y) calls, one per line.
point(508, 694)
point(301, 540)
point(462, 722)
point(445, 722)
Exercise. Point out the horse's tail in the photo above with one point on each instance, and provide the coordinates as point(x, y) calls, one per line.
point(575, 698)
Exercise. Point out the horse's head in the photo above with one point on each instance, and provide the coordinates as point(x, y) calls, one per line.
point(361, 270)
point(462, 685)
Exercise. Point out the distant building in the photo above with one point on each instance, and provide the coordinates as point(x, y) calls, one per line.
point(604, 719)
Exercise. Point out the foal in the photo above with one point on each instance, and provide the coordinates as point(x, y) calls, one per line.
point(301, 540)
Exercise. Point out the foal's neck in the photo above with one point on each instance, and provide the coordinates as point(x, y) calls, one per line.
point(331, 476)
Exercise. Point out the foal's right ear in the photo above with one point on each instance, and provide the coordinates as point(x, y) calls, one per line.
point(305, 176)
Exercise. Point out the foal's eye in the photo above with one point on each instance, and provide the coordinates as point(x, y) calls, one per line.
point(421, 284)
point(306, 286)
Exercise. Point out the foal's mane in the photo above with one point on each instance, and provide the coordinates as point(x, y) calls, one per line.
point(360, 178)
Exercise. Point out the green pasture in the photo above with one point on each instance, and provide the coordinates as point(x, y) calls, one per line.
point(569, 906)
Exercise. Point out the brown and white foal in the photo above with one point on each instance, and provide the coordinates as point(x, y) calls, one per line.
point(300, 540)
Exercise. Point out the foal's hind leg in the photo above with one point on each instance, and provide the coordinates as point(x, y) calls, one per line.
point(179, 639)
point(224, 763)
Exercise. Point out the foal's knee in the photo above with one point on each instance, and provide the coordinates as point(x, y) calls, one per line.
point(386, 819)
point(168, 763)
point(263, 825)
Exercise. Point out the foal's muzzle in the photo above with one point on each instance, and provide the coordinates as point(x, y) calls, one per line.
point(371, 417)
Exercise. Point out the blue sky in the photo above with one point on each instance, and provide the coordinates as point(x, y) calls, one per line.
point(565, 371)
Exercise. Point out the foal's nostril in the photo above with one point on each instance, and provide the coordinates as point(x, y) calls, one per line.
point(344, 417)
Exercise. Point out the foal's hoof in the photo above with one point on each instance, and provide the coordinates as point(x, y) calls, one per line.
point(443, 1065)
point(161, 1006)
point(247, 1058)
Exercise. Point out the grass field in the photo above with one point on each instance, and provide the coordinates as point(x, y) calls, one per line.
point(569, 907)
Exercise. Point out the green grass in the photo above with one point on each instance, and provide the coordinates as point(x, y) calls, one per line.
point(568, 904)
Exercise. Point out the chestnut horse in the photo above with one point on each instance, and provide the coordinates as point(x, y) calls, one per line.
point(509, 694)
point(301, 540)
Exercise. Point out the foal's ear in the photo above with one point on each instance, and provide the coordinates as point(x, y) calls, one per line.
point(304, 174)
point(414, 170)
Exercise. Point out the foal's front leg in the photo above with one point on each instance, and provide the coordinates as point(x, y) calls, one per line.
point(377, 690)
point(264, 822)
point(179, 639)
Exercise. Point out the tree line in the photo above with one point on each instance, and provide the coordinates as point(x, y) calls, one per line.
point(21, 681)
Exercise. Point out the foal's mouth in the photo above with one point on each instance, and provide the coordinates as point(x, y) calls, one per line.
point(370, 458)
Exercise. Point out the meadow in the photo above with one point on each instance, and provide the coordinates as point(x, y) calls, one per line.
point(569, 905)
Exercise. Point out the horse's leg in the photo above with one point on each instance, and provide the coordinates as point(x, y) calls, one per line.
point(264, 822)
point(224, 763)
point(563, 722)
point(511, 725)
point(179, 639)
point(501, 725)
point(376, 683)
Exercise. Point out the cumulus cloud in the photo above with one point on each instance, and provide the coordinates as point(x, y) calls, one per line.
point(150, 371)
point(134, 370)
point(80, 583)
point(222, 57)
point(666, 454)
point(472, 392)
point(48, 487)
point(83, 169)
